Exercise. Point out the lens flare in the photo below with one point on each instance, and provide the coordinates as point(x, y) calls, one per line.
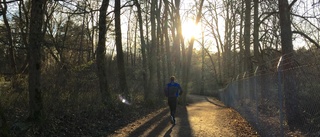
point(124, 100)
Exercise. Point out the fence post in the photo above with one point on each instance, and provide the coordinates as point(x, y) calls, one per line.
point(237, 92)
point(256, 96)
point(244, 88)
point(280, 94)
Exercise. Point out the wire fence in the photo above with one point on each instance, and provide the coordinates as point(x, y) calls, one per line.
point(262, 99)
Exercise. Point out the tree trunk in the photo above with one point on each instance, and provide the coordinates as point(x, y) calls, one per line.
point(177, 40)
point(152, 51)
point(13, 66)
point(35, 44)
point(247, 26)
point(226, 46)
point(143, 52)
point(189, 57)
point(120, 58)
point(256, 27)
point(160, 67)
point(294, 117)
point(241, 50)
point(202, 80)
point(81, 45)
point(101, 48)
point(167, 41)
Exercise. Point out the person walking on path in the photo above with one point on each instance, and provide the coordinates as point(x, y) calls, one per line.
point(172, 92)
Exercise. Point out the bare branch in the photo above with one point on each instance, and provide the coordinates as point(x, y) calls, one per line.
point(9, 1)
point(292, 3)
point(307, 37)
point(268, 15)
point(305, 18)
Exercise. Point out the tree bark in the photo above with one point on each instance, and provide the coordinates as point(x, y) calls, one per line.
point(256, 32)
point(143, 51)
point(187, 65)
point(177, 40)
point(241, 50)
point(160, 62)
point(101, 48)
point(247, 28)
point(11, 52)
point(294, 117)
point(167, 41)
point(152, 51)
point(120, 58)
point(35, 44)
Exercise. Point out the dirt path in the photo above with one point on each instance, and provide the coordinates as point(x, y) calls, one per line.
point(201, 118)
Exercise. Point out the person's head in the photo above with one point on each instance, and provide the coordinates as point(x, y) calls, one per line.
point(172, 78)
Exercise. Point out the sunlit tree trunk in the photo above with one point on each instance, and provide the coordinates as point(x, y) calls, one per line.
point(294, 117)
point(202, 81)
point(256, 32)
point(101, 52)
point(35, 44)
point(177, 38)
point(189, 57)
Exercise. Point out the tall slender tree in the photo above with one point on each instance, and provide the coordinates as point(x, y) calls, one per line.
point(247, 34)
point(256, 31)
point(294, 117)
point(143, 51)
point(189, 56)
point(101, 53)
point(120, 58)
point(166, 35)
point(35, 44)
point(152, 49)
point(241, 49)
point(11, 50)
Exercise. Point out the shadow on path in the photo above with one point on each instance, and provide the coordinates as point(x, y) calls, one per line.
point(203, 116)
point(164, 123)
point(184, 125)
point(141, 130)
point(169, 132)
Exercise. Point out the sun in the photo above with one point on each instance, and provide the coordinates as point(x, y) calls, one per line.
point(190, 30)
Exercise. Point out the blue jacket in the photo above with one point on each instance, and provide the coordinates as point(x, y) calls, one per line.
point(173, 89)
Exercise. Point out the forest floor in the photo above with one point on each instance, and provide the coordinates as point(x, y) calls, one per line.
point(203, 116)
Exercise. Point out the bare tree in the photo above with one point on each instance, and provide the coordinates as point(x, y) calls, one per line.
point(247, 34)
point(120, 58)
point(143, 51)
point(152, 50)
point(160, 52)
point(166, 36)
point(101, 53)
point(294, 117)
point(189, 56)
point(11, 50)
point(35, 44)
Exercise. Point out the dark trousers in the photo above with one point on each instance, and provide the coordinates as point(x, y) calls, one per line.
point(172, 102)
